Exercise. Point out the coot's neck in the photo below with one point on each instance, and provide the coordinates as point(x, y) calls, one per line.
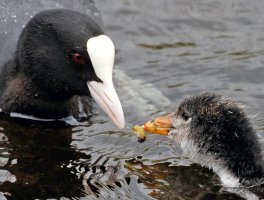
point(18, 94)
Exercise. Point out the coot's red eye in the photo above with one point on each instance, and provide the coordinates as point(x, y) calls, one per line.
point(78, 58)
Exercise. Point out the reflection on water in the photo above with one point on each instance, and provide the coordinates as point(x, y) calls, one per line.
point(40, 163)
point(37, 160)
point(178, 182)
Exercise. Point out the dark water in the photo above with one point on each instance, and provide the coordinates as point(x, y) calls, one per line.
point(166, 50)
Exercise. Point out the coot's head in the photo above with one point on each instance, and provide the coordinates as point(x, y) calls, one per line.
point(210, 129)
point(65, 53)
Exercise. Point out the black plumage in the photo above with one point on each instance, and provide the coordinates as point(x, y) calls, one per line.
point(42, 79)
point(218, 128)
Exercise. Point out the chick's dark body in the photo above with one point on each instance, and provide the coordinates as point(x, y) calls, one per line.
point(220, 126)
point(215, 132)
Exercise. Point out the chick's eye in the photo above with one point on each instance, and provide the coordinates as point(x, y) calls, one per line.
point(185, 116)
point(78, 58)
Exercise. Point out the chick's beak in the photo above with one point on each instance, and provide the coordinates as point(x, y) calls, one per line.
point(160, 125)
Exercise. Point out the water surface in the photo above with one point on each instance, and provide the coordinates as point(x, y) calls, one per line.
point(166, 50)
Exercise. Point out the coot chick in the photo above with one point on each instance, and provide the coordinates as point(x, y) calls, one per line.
point(62, 58)
point(215, 132)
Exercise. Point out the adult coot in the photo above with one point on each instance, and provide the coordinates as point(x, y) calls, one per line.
point(215, 132)
point(62, 58)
